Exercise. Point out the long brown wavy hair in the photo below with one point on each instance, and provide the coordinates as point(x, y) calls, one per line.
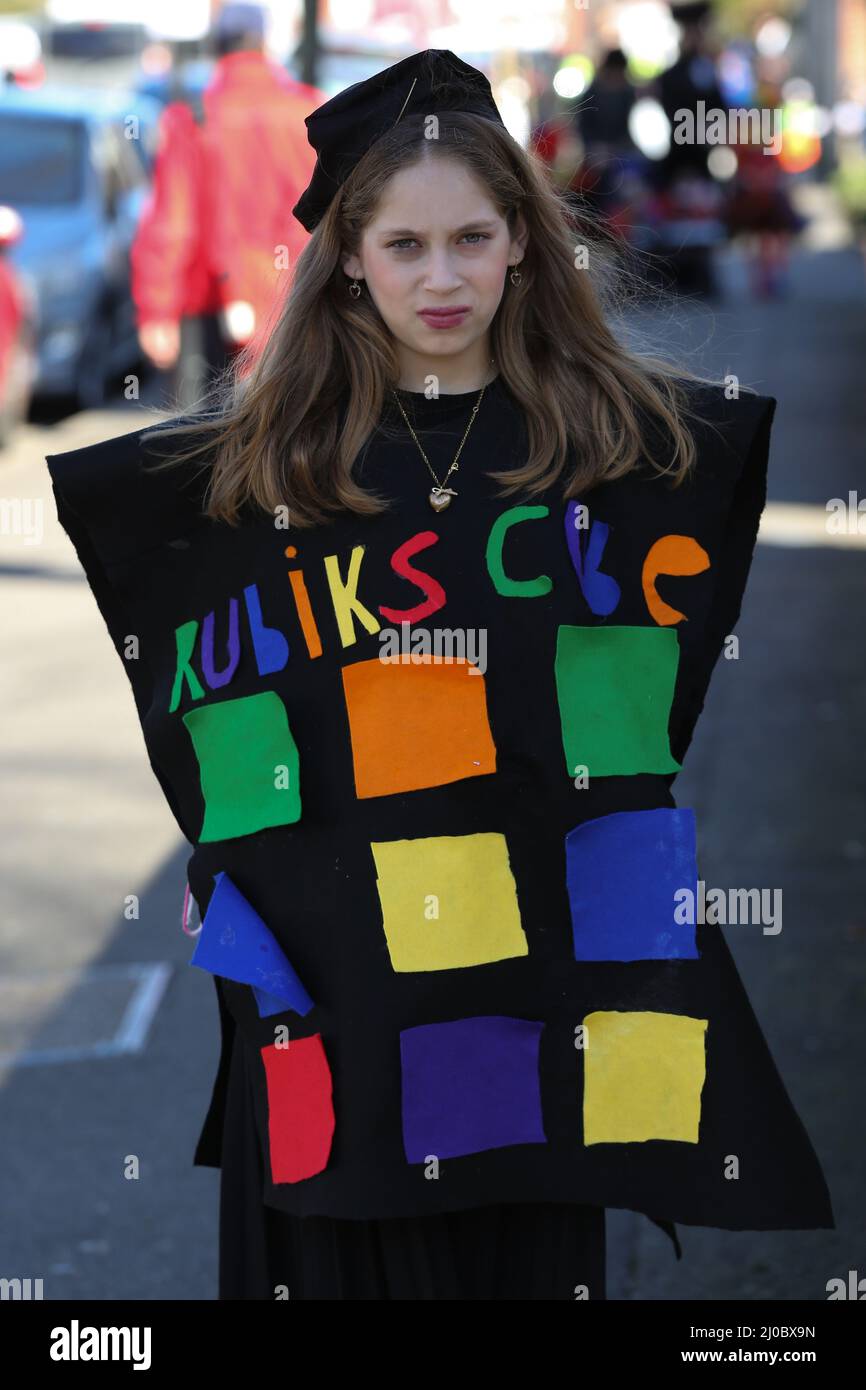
point(282, 427)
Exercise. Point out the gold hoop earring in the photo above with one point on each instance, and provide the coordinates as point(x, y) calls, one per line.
point(515, 277)
point(354, 289)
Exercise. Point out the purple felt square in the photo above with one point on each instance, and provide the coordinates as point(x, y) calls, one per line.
point(470, 1085)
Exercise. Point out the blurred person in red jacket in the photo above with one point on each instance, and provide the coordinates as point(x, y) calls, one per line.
point(17, 356)
point(215, 248)
point(760, 207)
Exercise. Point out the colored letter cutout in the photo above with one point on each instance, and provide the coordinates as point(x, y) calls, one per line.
point(601, 591)
point(643, 1077)
point(240, 744)
point(344, 597)
point(269, 644)
point(396, 713)
point(622, 872)
point(216, 679)
point(184, 641)
point(448, 901)
point(434, 594)
point(300, 1108)
point(670, 555)
point(235, 943)
point(615, 686)
point(470, 1085)
point(514, 588)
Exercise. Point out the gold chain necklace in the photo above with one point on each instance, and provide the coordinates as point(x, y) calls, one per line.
point(440, 496)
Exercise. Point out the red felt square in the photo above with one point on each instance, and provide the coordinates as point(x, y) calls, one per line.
point(300, 1108)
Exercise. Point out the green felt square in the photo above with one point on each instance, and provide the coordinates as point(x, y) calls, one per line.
point(248, 765)
point(615, 686)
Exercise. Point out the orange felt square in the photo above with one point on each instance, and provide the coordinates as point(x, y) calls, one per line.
point(418, 723)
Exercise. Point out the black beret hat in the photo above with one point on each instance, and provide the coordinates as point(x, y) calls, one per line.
point(690, 11)
point(342, 130)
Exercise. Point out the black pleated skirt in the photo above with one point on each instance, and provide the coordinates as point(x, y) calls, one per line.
point(527, 1250)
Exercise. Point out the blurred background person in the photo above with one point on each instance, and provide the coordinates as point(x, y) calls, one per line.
point(612, 163)
point(691, 79)
point(604, 112)
point(691, 201)
point(761, 209)
point(590, 149)
point(215, 247)
point(17, 360)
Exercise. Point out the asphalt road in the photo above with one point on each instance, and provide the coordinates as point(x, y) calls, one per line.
point(776, 776)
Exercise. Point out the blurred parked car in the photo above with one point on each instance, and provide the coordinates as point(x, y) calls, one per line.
point(17, 332)
point(92, 38)
point(69, 167)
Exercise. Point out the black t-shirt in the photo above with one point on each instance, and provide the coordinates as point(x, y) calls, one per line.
point(425, 760)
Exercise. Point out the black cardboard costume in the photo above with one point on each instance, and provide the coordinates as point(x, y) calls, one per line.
point(456, 887)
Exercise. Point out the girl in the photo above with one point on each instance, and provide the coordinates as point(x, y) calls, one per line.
point(420, 646)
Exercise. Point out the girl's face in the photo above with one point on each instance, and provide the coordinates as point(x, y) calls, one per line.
point(437, 242)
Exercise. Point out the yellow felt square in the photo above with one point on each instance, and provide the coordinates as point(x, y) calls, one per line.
point(643, 1076)
point(448, 901)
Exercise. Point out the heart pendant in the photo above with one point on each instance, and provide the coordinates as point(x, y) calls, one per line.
point(440, 499)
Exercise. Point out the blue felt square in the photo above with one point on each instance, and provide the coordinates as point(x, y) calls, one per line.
point(235, 943)
point(622, 874)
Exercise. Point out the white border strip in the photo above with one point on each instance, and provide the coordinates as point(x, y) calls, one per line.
point(804, 524)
